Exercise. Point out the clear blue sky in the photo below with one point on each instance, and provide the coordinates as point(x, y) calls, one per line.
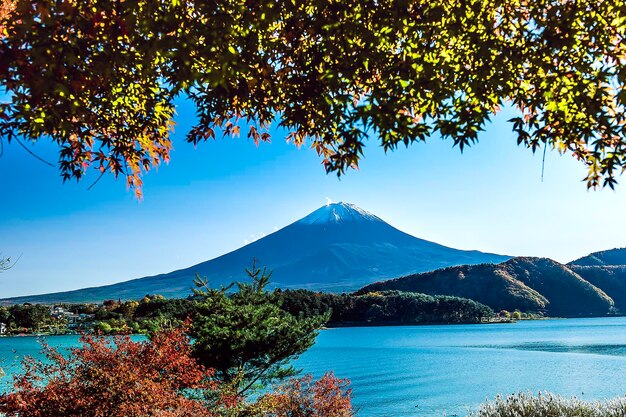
point(213, 199)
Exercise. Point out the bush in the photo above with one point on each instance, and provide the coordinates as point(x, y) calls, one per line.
point(328, 397)
point(114, 379)
point(103, 328)
point(549, 405)
point(117, 377)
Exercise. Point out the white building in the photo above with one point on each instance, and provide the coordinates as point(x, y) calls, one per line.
point(3, 328)
point(57, 312)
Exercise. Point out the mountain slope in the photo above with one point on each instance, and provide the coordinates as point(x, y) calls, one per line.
point(567, 292)
point(612, 280)
point(338, 247)
point(611, 257)
point(527, 284)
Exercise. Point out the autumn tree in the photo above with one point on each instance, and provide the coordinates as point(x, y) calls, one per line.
point(100, 77)
point(123, 378)
point(157, 377)
point(327, 397)
point(245, 335)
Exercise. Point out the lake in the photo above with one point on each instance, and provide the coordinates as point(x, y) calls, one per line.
point(447, 370)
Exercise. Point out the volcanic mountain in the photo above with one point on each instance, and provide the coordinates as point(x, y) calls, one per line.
point(338, 247)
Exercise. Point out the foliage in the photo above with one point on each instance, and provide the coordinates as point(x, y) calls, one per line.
point(5, 314)
point(101, 378)
point(179, 309)
point(327, 397)
point(245, 336)
point(99, 77)
point(505, 313)
point(159, 377)
point(385, 307)
point(527, 405)
point(103, 328)
point(6, 8)
point(26, 316)
point(144, 316)
point(153, 313)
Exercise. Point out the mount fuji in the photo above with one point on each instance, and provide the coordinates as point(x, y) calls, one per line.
point(338, 247)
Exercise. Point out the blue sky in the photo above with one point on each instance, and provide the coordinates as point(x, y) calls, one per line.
point(213, 199)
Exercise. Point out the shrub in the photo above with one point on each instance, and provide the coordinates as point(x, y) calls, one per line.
point(103, 328)
point(114, 378)
point(117, 377)
point(328, 397)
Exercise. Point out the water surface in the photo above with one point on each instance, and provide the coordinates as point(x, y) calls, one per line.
point(447, 370)
point(437, 370)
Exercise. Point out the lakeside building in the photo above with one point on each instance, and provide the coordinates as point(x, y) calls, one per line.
point(74, 321)
point(3, 328)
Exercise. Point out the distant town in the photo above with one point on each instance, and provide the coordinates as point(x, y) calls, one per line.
point(61, 319)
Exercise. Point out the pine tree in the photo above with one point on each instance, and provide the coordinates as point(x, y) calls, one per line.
point(245, 335)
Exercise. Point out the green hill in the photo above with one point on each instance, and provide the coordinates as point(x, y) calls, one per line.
point(525, 284)
point(611, 257)
point(612, 280)
point(568, 293)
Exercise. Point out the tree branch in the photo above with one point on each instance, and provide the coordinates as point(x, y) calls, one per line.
point(31, 152)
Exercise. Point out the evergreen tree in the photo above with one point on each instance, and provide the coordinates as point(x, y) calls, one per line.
point(245, 336)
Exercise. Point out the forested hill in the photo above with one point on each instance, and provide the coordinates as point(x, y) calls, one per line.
point(611, 257)
point(522, 283)
point(612, 280)
point(383, 308)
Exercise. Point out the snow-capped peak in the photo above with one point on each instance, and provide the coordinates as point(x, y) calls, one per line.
point(339, 213)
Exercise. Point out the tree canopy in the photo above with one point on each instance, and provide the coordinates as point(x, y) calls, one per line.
point(100, 77)
point(158, 377)
point(116, 378)
point(245, 336)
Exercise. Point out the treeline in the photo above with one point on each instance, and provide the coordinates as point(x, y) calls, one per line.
point(383, 308)
point(112, 316)
point(25, 317)
point(143, 316)
point(155, 312)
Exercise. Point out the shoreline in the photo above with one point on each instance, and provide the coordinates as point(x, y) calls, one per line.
point(346, 325)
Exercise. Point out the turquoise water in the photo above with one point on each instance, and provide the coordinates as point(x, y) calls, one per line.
point(447, 370)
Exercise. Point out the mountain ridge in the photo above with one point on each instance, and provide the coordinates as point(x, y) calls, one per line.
point(338, 247)
point(520, 283)
point(610, 257)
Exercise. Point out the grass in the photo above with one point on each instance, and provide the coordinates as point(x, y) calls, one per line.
point(549, 405)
